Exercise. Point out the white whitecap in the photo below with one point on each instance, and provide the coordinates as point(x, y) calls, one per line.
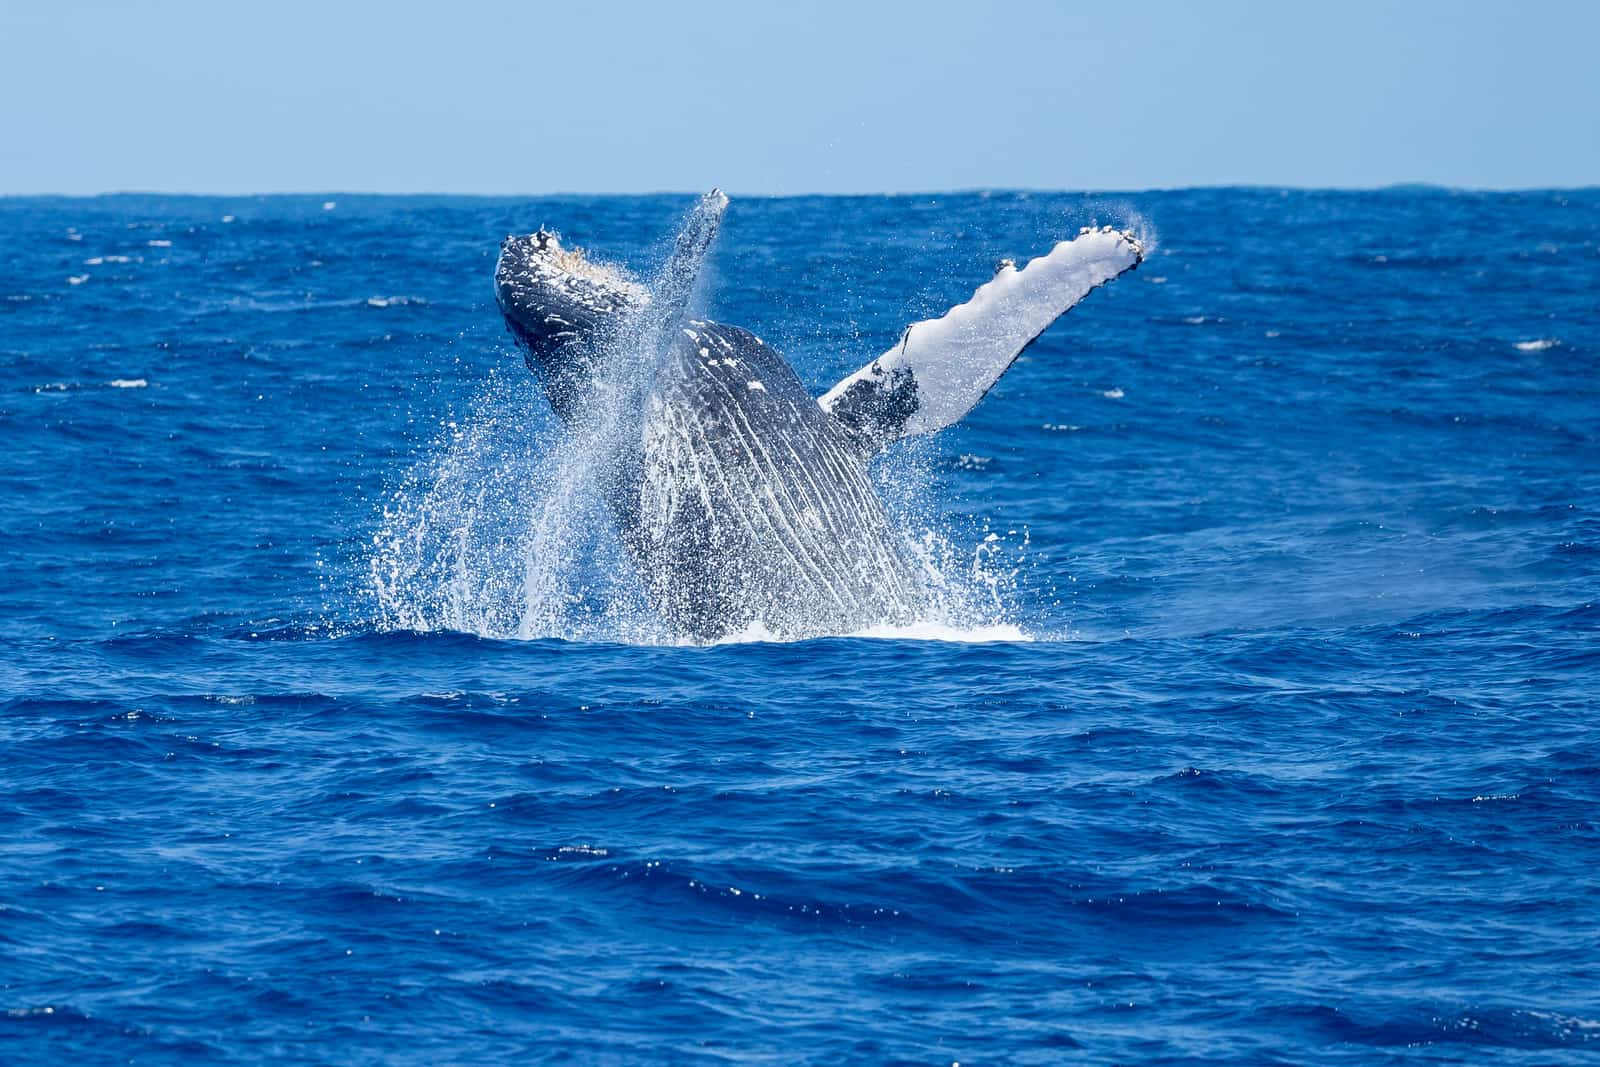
point(1539, 344)
point(127, 383)
point(757, 633)
point(935, 631)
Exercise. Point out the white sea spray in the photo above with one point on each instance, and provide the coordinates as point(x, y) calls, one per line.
point(505, 527)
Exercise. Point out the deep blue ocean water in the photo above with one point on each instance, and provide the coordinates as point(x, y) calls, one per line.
point(1300, 764)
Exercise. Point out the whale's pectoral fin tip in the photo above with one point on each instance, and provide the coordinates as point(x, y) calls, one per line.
point(1135, 244)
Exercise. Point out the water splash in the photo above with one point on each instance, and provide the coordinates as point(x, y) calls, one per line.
point(507, 530)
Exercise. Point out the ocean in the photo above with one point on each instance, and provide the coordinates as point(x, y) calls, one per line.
point(1257, 725)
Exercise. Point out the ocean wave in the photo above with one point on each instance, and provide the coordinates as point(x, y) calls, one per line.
point(1264, 733)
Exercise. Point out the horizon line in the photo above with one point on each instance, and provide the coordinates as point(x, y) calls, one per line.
point(1398, 186)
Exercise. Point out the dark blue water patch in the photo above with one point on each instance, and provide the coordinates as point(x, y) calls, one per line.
point(1303, 516)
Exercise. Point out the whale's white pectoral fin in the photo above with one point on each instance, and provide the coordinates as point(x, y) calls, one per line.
point(942, 367)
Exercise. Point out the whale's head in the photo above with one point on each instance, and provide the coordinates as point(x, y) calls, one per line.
point(560, 306)
point(555, 295)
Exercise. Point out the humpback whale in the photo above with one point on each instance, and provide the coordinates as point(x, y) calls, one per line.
point(742, 499)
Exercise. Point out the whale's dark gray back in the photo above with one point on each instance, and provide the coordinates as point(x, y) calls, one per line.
point(755, 505)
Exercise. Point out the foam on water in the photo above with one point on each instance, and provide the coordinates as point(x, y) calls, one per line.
point(757, 633)
point(935, 631)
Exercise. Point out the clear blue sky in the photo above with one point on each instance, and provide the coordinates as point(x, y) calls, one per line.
point(498, 96)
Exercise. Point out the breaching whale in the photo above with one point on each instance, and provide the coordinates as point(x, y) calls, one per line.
point(743, 500)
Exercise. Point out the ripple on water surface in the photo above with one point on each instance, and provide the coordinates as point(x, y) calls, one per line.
point(1272, 742)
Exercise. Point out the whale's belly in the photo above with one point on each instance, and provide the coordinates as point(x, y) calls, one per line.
point(755, 507)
